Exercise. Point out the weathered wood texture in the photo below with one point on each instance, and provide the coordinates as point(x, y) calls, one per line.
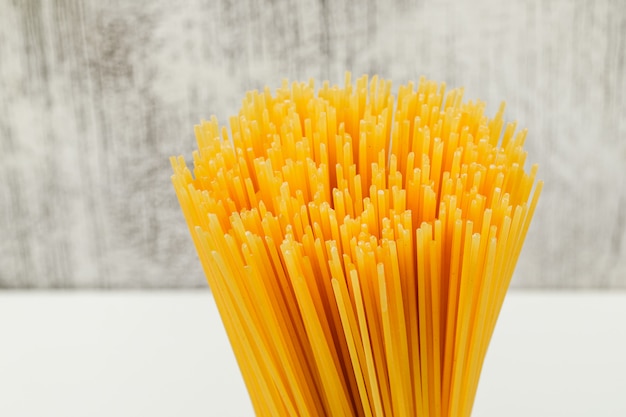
point(95, 96)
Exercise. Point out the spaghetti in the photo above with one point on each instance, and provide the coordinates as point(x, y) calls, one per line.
point(359, 245)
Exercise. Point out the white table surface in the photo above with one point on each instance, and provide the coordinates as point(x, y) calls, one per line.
point(166, 354)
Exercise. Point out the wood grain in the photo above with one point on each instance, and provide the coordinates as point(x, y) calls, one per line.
point(95, 96)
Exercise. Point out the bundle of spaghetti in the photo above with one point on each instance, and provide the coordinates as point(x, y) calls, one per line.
point(359, 245)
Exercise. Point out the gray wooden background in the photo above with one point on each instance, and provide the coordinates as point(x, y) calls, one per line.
point(95, 96)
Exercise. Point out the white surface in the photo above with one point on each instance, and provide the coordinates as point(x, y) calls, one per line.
point(166, 354)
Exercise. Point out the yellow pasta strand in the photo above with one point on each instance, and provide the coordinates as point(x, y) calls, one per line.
point(359, 244)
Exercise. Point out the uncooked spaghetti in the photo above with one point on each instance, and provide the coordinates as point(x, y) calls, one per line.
point(359, 245)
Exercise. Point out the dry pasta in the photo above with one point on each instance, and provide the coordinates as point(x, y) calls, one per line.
point(359, 244)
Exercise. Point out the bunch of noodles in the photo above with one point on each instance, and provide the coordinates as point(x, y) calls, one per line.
point(359, 246)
